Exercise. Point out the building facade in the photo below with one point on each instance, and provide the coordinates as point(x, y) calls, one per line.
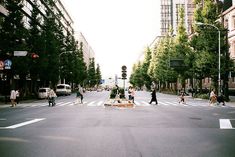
point(228, 19)
point(170, 15)
point(88, 52)
point(57, 10)
point(65, 20)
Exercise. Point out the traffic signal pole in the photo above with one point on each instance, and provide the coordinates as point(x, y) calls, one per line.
point(124, 75)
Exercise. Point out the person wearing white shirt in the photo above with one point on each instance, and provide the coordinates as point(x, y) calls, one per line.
point(13, 98)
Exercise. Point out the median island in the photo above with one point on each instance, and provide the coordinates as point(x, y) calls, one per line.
point(117, 99)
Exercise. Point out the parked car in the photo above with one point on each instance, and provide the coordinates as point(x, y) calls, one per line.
point(63, 89)
point(43, 92)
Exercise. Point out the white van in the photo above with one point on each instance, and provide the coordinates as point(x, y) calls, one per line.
point(43, 92)
point(63, 89)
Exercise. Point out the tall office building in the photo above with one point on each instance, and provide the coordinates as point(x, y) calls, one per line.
point(57, 8)
point(170, 15)
point(87, 50)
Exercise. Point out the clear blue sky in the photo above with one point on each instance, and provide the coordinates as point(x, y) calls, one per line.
point(117, 30)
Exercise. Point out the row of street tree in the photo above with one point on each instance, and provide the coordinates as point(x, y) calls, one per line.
point(198, 53)
point(60, 57)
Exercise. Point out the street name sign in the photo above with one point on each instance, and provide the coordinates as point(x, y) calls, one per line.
point(20, 53)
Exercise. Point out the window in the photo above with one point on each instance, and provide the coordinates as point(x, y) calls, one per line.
point(226, 23)
point(233, 22)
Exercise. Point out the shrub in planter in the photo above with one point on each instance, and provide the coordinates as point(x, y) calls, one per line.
point(202, 96)
point(114, 92)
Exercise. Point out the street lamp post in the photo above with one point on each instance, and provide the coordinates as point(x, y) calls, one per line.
point(219, 77)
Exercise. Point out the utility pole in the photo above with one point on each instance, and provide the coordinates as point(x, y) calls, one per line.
point(226, 74)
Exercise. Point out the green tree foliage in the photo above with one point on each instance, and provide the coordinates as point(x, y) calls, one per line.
point(46, 37)
point(13, 38)
point(145, 66)
point(139, 76)
point(98, 74)
point(159, 68)
point(183, 49)
point(35, 43)
point(82, 68)
point(136, 78)
point(204, 43)
point(52, 49)
point(91, 73)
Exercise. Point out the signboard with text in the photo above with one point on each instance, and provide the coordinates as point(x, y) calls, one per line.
point(8, 64)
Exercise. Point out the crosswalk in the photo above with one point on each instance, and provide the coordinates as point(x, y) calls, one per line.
point(100, 103)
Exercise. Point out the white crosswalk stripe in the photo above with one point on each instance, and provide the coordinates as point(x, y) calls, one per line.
point(137, 103)
point(100, 103)
point(91, 103)
point(146, 103)
point(64, 103)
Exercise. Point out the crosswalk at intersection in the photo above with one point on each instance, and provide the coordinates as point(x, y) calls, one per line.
point(100, 103)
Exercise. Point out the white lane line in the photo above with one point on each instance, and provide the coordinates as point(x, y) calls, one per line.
point(64, 104)
point(225, 124)
point(146, 104)
point(162, 103)
point(23, 124)
point(2, 119)
point(99, 103)
point(91, 103)
point(72, 103)
point(137, 103)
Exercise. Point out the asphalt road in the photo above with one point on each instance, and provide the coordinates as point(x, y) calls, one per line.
point(168, 129)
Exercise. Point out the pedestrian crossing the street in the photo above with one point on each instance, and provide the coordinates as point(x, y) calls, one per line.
point(100, 103)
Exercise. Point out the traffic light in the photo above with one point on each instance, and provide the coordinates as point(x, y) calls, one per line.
point(124, 75)
point(34, 56)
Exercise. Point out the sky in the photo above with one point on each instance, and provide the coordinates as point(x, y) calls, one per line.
point(117, 30)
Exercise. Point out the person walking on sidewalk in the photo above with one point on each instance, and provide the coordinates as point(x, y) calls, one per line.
point(182, 99)
point(213, 98)
point(132, 94)
point(51, 98)
point(17, 96)
point(79, 94)
point(154, 97)
point(13, 98)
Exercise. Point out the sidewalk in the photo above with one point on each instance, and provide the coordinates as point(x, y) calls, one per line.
point(232, 99)
point(230, 103)
point(3, 104)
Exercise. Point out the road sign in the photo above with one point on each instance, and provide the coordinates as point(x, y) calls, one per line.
point(177, 63)
point(20, 53)
point(7, 64)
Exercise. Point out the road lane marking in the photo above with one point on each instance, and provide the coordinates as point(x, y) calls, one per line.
point(146, 104)
point(91, 103)
point(23, 124)
point(137, 103)
point(99, 103)
point(225, 124)
point(162, 103)
point(63, 104)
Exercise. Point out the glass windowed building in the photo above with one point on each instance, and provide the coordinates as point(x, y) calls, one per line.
point(170, 15)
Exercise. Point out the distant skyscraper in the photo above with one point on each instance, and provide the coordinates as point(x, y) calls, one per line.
point(170, 14)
